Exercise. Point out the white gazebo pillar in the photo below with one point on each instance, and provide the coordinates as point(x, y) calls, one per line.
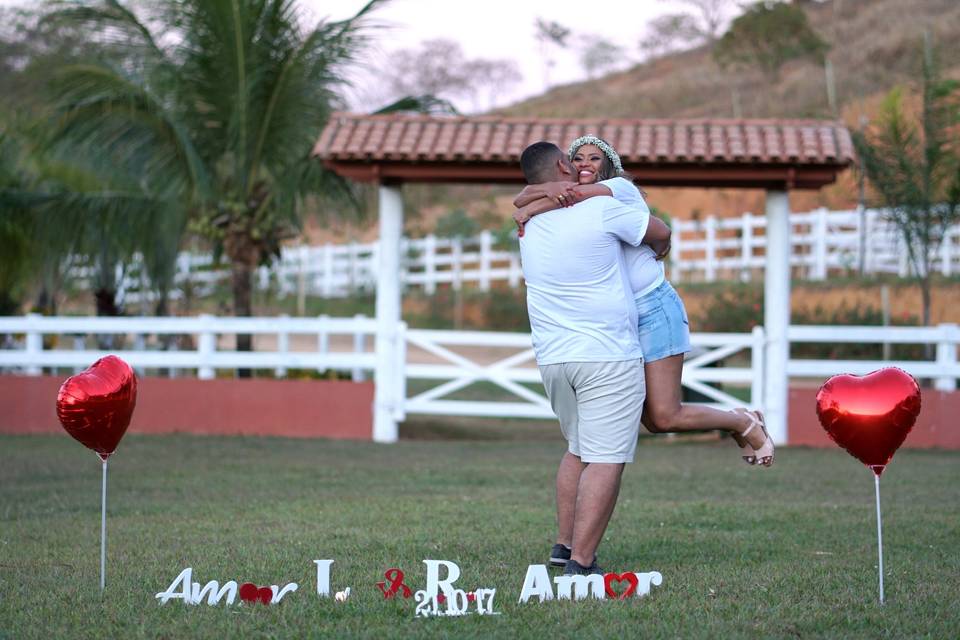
point(388, 316)
point(776, 315)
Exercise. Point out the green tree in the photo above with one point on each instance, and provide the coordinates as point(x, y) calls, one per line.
point(15, 229)
point(767, 36)
point(912, 159)
point(218, 106)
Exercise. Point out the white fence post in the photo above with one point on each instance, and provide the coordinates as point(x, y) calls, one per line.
point(33, 344)
point(756, 366)
point(946, 254)
point(486, 241)
point(327, 287)
point(947, 357)
point(710, 268)
point(430, 264)
point(400, 380)
point(283, 344)
point(456, 257)
point(323, 338)
point(746, 246)
point(79, 344)
point(206, 347)
point(139, 344)
point(359, 346)
point(819, 229)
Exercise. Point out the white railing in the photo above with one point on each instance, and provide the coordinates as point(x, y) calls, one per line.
point(824, 243)
point(454, 359)
point(205, 351)
point(944, 338)
point(507, 361)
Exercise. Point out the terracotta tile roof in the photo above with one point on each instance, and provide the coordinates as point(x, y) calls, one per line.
point(428, 139)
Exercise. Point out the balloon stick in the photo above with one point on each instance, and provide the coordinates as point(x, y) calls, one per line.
point(103, 531)
point(876, 478)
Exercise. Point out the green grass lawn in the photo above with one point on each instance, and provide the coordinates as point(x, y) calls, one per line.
point(744, 552)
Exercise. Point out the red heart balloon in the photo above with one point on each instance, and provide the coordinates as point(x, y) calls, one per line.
point(870, 416)
point(95, 405)
point(249, 592)
point(629, 578)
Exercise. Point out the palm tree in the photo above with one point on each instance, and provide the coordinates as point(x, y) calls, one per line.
point(216, 104)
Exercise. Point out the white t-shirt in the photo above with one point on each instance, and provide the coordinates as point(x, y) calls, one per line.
point(643, 268)
point(578, 294)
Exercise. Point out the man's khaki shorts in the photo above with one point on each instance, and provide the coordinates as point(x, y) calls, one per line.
point(599, 405)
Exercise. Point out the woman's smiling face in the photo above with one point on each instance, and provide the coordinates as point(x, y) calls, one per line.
point(588, 160)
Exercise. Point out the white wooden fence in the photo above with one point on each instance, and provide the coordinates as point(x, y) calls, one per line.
point(824, 243)
point(453, 359)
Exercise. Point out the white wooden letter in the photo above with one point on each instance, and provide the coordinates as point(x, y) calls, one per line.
point(434, 583)
point(214, 592)
point(323, 577)
point(536, 583)
point(184, 594)
point(278, 593)
point(644, 580)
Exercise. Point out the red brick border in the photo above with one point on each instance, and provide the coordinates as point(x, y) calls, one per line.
point(291, 408)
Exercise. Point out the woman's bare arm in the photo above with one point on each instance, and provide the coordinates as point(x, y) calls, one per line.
point(538, 206)
point(584, 191)
point(658, 237)
point(552, 190)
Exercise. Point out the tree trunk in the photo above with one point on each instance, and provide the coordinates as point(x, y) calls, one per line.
point(106, 302)
point(242, 275)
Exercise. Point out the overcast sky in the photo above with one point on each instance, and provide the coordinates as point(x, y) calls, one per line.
point(505, 29)
point(498, 29)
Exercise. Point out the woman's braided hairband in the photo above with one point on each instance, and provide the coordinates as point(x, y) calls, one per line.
point(603, 145)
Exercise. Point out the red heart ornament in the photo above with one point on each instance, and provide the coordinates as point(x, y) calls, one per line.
point(250, 592)
point(95, 405)
point(870, 416)
point(630, 578)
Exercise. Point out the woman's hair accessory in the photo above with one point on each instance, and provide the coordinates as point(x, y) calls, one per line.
point(601, 144)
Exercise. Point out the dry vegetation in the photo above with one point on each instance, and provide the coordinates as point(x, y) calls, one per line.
point(874, 45)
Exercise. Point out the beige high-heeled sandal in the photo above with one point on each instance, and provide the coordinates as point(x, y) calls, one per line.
point(749, 455)
point(765, 454)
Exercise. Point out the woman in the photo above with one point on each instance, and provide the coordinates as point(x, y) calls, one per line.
point(663, 326)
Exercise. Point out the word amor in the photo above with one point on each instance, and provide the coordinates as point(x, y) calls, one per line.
point(537, 584)
point(183, 588)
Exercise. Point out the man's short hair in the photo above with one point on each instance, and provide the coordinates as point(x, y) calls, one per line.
point(538, 161)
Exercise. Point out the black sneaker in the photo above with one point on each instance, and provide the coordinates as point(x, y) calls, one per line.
point(559, 555)
point(574, 568)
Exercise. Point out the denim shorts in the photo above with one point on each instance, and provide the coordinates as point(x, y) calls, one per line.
point(662, 324)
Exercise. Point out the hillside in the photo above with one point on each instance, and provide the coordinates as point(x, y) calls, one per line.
point(875, 45)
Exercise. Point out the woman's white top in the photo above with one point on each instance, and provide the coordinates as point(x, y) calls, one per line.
point(643, 269)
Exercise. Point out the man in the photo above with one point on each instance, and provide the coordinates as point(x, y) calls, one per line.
point(584, 328)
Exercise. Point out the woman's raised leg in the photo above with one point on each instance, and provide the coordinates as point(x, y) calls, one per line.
point(665, 413)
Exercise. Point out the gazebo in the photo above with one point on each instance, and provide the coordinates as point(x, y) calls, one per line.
point(774, 155)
